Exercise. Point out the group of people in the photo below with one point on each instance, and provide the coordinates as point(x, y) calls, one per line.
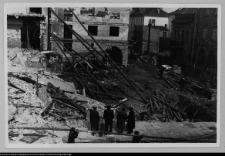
point(124, 121)
point(108, 116)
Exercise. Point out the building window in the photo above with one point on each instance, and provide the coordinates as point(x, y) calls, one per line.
point(93, 30)
point(153, 22)
point(68, 17)
point(214, 34)
point(207, 12)
point(164, 34)
point(182, 36)
point(114, 31)
point(68, 35)
point(67, 32)
point(175, 34)
point(186, 36)
point(178, 35)
point(204, 35)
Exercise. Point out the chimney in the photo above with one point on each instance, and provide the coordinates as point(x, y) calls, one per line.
point(165, 25)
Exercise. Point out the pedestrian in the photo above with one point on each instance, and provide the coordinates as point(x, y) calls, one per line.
point(108, 116)
point(94, 119)
point(72, 135)
point(137, 137)
point(130, 121)
point(121, 119)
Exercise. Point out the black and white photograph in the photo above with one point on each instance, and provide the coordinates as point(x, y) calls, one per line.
point(106, 74)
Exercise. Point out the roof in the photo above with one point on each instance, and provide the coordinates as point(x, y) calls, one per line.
point(155, 12)
point(184, 11)
point(17, 15)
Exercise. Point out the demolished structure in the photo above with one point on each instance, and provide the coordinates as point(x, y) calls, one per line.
point(45, 103)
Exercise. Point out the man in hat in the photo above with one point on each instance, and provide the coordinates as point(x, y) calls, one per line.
point(94, 119)
point(137, 137)
point(108, 116)
point(130, 121)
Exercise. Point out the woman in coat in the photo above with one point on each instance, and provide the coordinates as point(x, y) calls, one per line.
point(121, 119)
point(130, 121)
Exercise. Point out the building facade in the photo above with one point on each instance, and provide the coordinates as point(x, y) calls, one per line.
point(194, 42)
point(139, 28)
point(182, 37)
point(109, 30)
point(206, 42)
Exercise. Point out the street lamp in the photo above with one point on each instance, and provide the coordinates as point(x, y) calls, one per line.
point(149, 30)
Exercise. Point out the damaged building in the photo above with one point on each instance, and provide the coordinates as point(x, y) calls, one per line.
point(45, 105)
point(110, 30)
point(26, 31)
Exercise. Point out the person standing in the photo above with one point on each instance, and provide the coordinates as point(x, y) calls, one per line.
point(130, 121)
point(72, 135)
point(94, 119)
point(121, 119)
point(108, 116)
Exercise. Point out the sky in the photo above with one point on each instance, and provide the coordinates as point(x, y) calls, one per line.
point(23, 9)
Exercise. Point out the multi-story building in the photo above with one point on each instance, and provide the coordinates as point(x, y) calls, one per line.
point(109, 30)
point(194, 41)
point(139, 28)
point(182, 29)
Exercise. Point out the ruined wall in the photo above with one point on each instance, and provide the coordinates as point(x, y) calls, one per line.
point(44, 31)
point(13, 32)
point(103, 37)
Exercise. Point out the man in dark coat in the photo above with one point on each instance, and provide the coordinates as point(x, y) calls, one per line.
point(108, 116)
point(94, 119)
point(121, 119)
point(130, 121)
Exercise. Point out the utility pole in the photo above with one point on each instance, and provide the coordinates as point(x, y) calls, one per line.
point(149, 31)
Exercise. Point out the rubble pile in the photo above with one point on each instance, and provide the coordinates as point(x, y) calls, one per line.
point(52, 108)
